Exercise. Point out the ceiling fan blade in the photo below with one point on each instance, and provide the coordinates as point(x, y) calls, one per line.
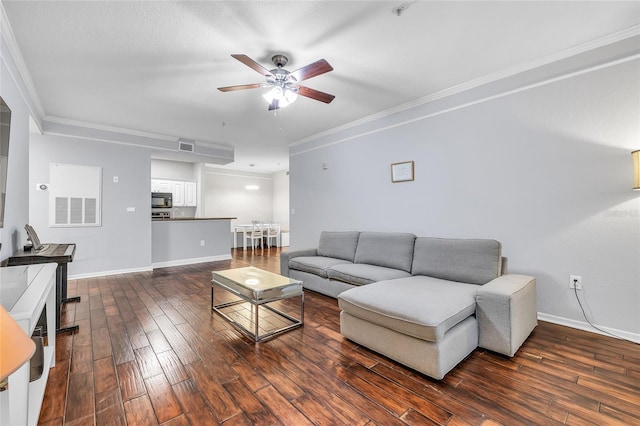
point(253, 65)
point(318, 67)
point(239, 87)
point(315, 94)
point(275, 104)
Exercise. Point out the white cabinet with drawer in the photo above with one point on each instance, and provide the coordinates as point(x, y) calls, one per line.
point(25, 292)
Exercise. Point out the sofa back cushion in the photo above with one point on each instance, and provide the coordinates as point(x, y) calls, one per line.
point(389, 249)
point(466, 261)
point(340, 245)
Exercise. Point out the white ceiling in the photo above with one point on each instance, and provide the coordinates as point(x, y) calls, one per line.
point(155, 66)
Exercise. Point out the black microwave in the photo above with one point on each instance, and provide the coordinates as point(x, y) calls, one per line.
point(161, 200)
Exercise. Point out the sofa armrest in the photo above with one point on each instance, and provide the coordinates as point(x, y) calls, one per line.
point(285, 256)
point(507, 313)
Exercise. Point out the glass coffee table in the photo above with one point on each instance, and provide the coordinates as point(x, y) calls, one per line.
point(256, 301)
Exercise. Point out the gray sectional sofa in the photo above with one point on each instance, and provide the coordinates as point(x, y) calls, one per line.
point(424, 302)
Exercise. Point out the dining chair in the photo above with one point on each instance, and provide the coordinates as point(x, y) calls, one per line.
point(272, 231)
point(255, 234)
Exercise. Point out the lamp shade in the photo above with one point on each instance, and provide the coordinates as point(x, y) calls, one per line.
point(284, 96)
point(636, 169)
point(16, 347)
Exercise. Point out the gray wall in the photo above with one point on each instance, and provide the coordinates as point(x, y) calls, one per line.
point(545, 169)
point(123, 242)
point(12, 235)
point(180, 241)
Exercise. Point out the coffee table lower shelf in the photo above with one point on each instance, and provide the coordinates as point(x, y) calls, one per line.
point(258, 320)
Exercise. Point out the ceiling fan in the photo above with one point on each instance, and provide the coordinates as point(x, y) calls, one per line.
point(284, 84)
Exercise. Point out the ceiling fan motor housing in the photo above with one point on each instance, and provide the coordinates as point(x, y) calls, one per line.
point(279, 60)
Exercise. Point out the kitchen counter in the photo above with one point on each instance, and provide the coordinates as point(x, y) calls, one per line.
point(187, 240)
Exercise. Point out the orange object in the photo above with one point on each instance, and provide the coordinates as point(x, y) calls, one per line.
point(16, 347)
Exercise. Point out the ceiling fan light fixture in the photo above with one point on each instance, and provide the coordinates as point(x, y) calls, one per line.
point(284, 96)
point(284, 85)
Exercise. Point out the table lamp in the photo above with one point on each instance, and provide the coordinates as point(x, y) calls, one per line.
point(16, 347)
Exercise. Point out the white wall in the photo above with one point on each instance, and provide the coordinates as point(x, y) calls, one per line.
point(546, 170)
point(177, 170)
point(281, 198)
point(123, 242)
point(224, 195)
point(222, 192)
point(12, 235)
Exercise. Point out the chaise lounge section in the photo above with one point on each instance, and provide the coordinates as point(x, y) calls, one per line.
point(424, 302)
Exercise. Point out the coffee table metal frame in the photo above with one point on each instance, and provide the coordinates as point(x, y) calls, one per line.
point(286, 289)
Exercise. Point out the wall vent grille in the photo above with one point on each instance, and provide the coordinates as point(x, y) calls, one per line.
point(75, 211)
point(74, 195)
point(185, 145)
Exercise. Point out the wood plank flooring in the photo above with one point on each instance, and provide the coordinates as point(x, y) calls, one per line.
point(150, 351)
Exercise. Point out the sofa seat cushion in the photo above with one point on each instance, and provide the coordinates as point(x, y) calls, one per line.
point(317, 265)
point(360, 273)
point(419, 306)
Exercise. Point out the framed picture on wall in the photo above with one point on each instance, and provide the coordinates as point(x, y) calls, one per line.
point(402, 172)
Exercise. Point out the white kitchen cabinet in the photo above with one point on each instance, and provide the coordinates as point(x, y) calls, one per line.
point(177, 188)
point(190, 194)
point(184, 191)
point(161, 185)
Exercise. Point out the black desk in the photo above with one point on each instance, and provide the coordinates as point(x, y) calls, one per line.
point(52, 253)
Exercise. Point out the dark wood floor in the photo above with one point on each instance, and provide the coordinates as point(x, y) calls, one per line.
point(149, 351)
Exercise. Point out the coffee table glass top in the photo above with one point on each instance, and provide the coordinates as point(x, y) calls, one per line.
point(258, 284)
point(258, 304)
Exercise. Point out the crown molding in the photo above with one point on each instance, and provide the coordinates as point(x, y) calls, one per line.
point(438, 112)
point(129, 132)
point(239, 174)
point(608, 39)
point(161, 146)
point(31, 97)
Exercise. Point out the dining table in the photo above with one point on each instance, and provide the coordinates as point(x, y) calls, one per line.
point(248, 227)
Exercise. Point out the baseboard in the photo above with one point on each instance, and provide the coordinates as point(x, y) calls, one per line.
point(181, 262)
point(585, 326)
point(106, 273)
point(153, 266)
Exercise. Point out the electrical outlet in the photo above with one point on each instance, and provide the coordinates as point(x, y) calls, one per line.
point(202, 243)
point(575, 281)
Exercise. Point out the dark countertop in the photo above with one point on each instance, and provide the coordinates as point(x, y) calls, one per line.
point(181, 219)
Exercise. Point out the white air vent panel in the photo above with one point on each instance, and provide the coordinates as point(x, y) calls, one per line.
point(185, 145)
